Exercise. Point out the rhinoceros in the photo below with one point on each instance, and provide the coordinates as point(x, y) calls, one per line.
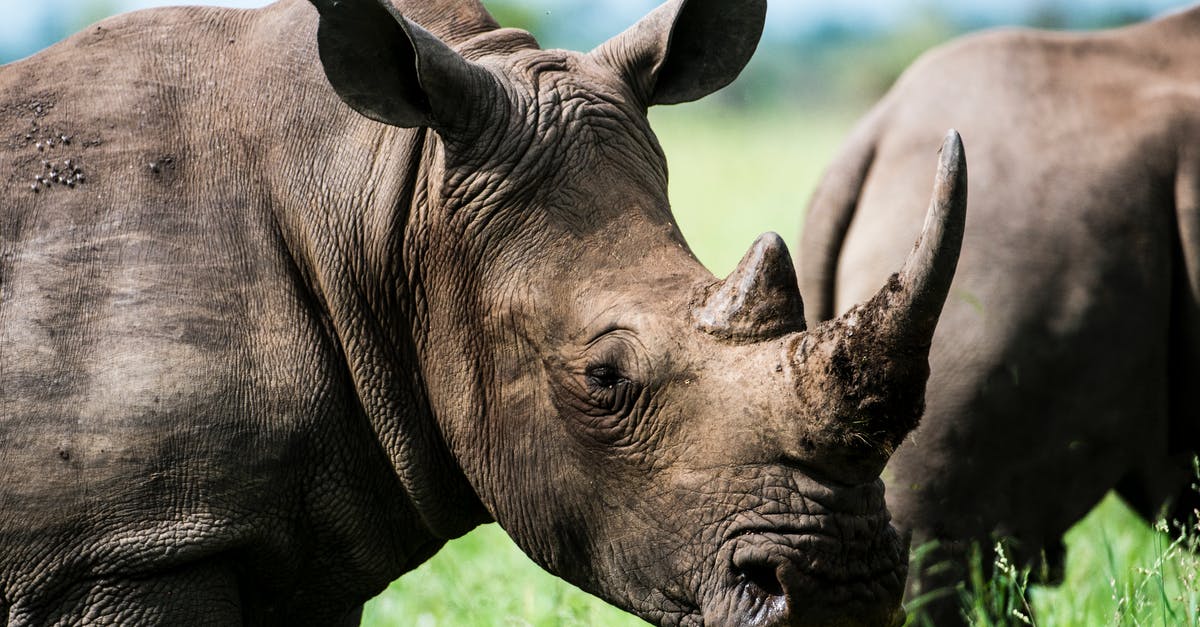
point(289, 297)
point(1067, 357)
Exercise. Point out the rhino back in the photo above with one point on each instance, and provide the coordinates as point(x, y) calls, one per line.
point(1074, 144)
point(168, 383)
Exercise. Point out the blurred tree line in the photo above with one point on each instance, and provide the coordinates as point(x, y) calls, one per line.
point(53, 21)
point(829, 64)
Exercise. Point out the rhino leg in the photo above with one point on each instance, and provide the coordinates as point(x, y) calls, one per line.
point(1183, 430)
point(1162, 483)
point(1161, 487)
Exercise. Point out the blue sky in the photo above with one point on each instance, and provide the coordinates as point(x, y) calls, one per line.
point(21, 19)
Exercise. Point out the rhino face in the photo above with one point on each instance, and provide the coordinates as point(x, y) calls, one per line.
point(678, 445)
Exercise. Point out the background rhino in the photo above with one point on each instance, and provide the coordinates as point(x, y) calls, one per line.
point(262, 352)
point(1066, 360)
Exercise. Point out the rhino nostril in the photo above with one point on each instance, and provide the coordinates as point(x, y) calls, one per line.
point(762, 576)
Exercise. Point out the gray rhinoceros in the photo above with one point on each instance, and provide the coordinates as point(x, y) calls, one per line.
point(270, 335)
point(1066, 361)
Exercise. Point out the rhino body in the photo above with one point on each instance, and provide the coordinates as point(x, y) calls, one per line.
point(290, 297)
point(1066, 360)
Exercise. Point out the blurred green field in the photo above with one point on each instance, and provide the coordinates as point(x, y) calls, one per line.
point(733, 176)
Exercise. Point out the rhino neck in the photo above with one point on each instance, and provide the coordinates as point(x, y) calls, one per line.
point(345, 188)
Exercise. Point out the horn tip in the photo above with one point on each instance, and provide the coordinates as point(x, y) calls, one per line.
point(770, 239)
point(953, 156)
point(950, 185)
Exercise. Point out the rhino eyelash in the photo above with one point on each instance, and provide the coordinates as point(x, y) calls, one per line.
point(605, 377)
point(609, 392)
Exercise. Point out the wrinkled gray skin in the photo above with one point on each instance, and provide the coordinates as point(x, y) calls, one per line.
point(1066, 361)
point(322, 288)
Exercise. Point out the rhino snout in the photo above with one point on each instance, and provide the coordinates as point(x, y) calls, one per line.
point(832, 559)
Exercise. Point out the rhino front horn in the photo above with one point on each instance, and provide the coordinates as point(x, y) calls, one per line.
point(870, 365)
point(760, 299)
point(924, 282)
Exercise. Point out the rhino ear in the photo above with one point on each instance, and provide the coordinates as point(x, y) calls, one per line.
point(391, 70)
point(686, 49)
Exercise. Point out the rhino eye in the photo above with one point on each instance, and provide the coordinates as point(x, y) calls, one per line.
point(609, 390)
point(605, 377)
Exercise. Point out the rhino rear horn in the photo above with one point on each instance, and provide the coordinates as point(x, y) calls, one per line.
point(391, 70)
point(760, 299)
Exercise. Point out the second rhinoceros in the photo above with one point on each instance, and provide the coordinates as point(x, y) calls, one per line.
point(1067, 358)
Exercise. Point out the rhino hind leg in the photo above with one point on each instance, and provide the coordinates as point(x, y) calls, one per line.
point(1163, 488)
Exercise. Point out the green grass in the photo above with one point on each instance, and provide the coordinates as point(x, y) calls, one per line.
point(484, 579)
point(1119, 571)
point(733, 176)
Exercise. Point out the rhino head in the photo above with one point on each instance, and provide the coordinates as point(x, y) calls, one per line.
point(679, 445)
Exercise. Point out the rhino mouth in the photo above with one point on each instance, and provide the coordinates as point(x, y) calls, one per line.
point(810, 578)
point(841, 563)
